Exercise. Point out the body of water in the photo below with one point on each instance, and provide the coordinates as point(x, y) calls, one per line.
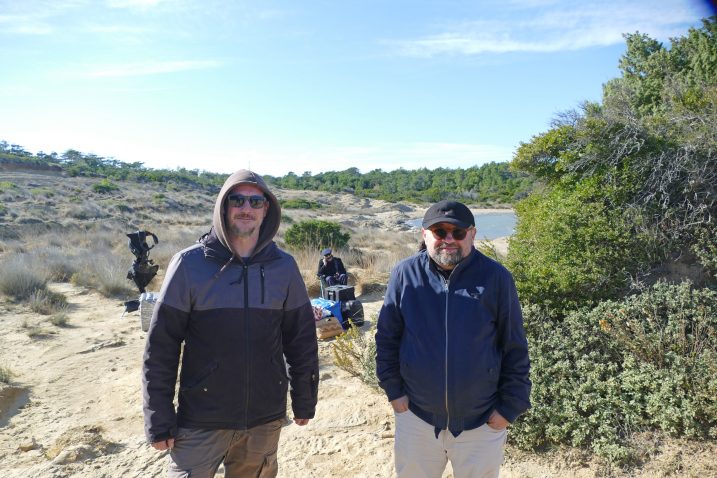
point(489, 226)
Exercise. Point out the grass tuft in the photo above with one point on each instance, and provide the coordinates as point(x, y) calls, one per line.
point(19, 279)
point(46, 302)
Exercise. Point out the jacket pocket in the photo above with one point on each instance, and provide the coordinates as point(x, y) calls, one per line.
point(201, 378)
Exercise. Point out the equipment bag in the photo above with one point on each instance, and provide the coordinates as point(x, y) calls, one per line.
point(353, 310)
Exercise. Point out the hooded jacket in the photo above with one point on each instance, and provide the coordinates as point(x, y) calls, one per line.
point(236, 318)
point(456, 347)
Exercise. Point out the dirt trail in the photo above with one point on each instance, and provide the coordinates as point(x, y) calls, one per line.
point(80, 411)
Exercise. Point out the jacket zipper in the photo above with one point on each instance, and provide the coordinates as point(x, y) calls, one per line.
point(448, 413)
point(261, 269)
point(247, 355)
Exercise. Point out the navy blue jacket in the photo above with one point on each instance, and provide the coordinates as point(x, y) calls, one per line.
point(455, 347)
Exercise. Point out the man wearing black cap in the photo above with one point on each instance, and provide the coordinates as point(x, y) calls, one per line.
point(451, 352)
point(331, 269)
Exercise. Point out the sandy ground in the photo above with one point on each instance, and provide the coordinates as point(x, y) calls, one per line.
point(76, 408)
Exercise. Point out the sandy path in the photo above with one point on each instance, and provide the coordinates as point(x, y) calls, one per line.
point(81, 412)
point(82, 416)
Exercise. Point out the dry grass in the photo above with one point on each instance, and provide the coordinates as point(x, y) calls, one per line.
point(60, 320)
point(47, 302)
point(20, 279)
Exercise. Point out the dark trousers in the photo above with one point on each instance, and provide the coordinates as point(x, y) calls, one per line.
point(332, 280)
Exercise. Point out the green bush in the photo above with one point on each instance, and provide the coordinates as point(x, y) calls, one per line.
point(104, 187)
point(648, 362)
point(300, 204)
point(316, 234)
point(355, 352)
point(570, 249)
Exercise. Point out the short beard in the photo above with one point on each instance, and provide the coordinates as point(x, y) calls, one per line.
point(236, 232)
point(447, 259)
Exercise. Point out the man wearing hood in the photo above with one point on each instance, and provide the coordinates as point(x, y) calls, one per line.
point(238, 306)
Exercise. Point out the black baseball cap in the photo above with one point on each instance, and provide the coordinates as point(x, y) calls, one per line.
point(452, 212)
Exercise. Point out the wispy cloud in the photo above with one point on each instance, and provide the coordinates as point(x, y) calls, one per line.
point(152, 68)
point(24, 25)
point(545, 26)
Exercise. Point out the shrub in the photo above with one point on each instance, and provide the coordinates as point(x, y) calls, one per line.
point(104, 187)
point(300, 204)
point(105, 273)
point(647, 362)
point(59, 320)
point(355, 352)
point(316, 234)
point(571, 250)
point(46, 302)
point(19, 279)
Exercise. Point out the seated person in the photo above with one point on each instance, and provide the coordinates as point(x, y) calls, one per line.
point(331, 269)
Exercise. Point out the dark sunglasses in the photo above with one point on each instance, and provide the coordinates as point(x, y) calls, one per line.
point(457, 233)
point(238, 200)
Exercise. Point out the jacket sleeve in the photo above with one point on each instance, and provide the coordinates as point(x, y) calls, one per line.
point(389, 332)
point(320, 271)
point(514, 384)
point(161, 354)
point(301, 349)
point(340, 266)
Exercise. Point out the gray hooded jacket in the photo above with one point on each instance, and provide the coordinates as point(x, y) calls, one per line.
point(238, 319)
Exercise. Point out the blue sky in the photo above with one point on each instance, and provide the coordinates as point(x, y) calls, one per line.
point(309, 85)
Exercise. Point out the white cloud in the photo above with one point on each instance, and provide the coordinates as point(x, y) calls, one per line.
point(546, 26)
point(152, 68)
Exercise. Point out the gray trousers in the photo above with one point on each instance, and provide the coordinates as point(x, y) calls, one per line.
point(197, 453)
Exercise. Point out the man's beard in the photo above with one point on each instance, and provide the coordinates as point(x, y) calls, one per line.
point(446, 258)
point(239, 229)
point(236, 231)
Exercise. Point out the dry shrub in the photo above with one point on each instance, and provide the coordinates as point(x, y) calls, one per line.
point(47, 302)
point(57, 264)
point(355, 352)
point(60, 320)
point(104, 272)
point(20, 278)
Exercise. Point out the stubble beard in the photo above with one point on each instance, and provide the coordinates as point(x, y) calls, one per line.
point(238, 229)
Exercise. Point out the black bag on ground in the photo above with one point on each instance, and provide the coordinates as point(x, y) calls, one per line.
point(352, 309)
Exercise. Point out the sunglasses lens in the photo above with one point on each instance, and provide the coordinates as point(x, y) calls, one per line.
point(257, 202)
point(439, 233)
point(238, 200)
point(457, 234)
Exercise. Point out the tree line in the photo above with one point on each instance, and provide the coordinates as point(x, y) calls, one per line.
point(489, 183)
point(486, 184)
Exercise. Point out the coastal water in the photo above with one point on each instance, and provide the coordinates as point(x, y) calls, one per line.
point(489, 225)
